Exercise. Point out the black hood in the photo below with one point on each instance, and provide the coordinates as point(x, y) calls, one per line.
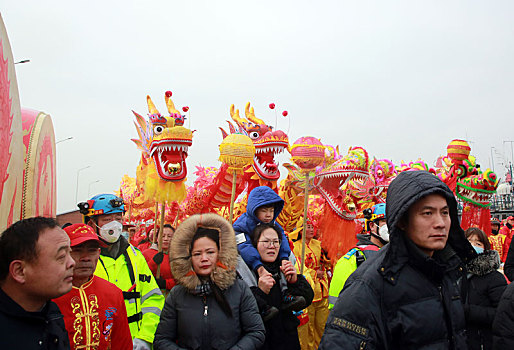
point(405, 190)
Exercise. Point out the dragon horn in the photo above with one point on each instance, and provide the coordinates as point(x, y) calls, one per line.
point(151, 106)
point(249, 112)
point(235, 116)
point(170, 104)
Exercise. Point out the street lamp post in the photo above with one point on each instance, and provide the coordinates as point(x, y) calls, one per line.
point(511, 158)
point(66, 139)
point(492, 158)
point(77, 187)
point(89, 187)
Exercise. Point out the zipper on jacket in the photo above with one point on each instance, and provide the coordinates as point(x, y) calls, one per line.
point(449, 326)
point(362, 345)
point(205, 307)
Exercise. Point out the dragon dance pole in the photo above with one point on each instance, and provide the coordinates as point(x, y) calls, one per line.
point(305, 209)
point(161, 233)
point(232, 197)
point(154, 238)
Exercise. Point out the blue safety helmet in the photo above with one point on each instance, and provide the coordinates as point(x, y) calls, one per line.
point(379, 212)
point(376, 212)
point(102, 204)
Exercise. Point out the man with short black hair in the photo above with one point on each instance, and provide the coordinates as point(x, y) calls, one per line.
point(35, 266)
point(408, 296)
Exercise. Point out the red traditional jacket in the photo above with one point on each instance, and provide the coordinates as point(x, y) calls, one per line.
point(508, 238)
point(497, 241)
point(95, 316)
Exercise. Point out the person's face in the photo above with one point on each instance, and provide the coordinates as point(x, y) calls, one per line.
point(105, 219)
point(50, 275)
point(268, 245)
point(86, 256)
point(474, 240)
point(511, 222)
point(309, 231)
point(495, 227)
point(166, 238)
point(150, 234)
point(204, 256)
point(429, 223)
point(131, 231)
point(265, 214)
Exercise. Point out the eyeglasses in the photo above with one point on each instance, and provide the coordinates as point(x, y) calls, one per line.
point(272, 244)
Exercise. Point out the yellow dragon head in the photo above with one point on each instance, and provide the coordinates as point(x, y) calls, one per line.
point(164, 143)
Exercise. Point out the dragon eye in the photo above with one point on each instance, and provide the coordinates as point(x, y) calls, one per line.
point(380, 172)
point(158, 129)
point(254, 135)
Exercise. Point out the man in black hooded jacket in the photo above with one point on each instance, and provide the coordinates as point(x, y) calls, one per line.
point(408, 297)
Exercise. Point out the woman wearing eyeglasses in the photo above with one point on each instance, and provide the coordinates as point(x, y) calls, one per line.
point(209, 308)
point(281, 330)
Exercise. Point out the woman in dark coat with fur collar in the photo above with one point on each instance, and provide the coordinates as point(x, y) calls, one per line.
point(209, 308)
point(485, 286)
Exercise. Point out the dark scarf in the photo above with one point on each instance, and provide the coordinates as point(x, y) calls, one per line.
point(203, 289)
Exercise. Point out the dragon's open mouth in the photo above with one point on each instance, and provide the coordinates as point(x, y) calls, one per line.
point(169, 157)
point(330, 185)
point(264, 159)
point(475, 196)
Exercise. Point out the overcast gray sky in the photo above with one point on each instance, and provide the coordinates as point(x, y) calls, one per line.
point(400, 78)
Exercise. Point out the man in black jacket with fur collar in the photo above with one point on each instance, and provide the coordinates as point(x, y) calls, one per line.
point(408, 297)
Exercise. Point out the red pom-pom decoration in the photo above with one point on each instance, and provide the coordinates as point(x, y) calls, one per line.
point(185, 109)
point(168, 93)
point(284, 113)
point(272, 106)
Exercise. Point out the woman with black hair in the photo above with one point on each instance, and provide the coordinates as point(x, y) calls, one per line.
point(208, 308)
point(485, 286)
point(281, 330)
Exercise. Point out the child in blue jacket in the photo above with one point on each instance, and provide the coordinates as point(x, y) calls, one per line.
point(264, 206)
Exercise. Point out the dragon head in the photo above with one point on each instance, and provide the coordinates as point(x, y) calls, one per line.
point(382, 172)
point(267, 142)
point(477, 189)
point(332, 181)
point(164, 141)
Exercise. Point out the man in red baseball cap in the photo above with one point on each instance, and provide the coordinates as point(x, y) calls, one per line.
point(94, 310)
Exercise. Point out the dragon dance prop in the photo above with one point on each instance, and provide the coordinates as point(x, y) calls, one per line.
point(212, 189)
point(307, 153)
point(458, 151)
point(476, 191)
point(164, 144)
point(236, 151)
point(11, 150)
point(337, 224)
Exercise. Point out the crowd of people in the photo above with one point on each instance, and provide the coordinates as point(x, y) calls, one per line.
point(414, 279)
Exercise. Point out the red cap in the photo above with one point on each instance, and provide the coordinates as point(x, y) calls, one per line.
point(510, 218)
point(80, 233)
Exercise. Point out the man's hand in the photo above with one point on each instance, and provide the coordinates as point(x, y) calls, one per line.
point(139, 344)
point(266, 282)
point(289, 271)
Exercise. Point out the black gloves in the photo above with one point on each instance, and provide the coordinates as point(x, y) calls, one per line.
point(157, 258)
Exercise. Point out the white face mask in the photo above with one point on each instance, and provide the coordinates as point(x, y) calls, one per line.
point(111, 231)
point(383, 232)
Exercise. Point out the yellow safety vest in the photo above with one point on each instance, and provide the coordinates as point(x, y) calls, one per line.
point(143, 298)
